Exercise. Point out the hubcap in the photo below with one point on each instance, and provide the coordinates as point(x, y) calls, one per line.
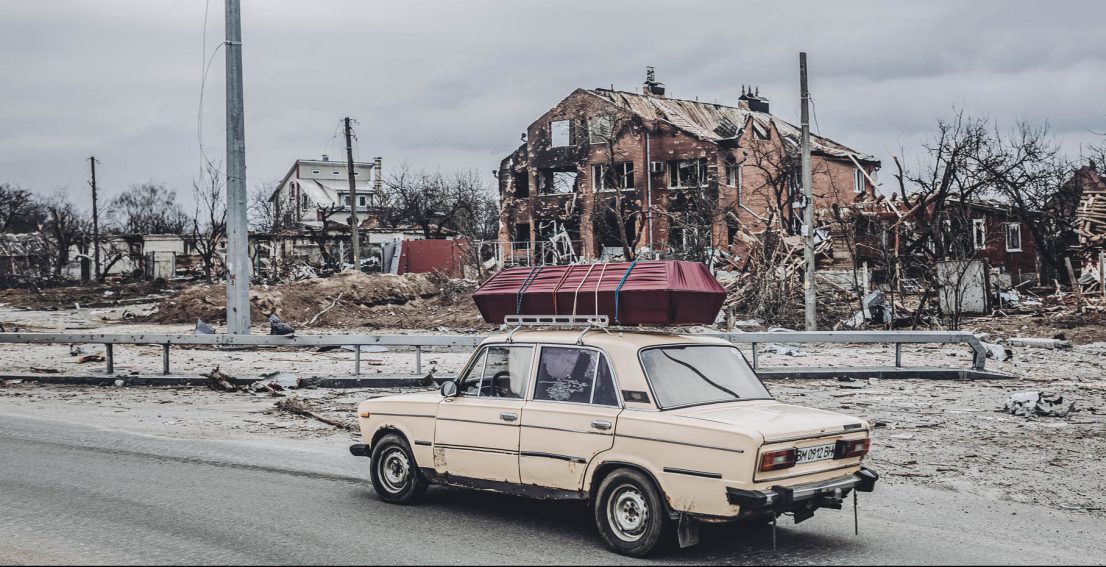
point(628, 513)
point(393, 470)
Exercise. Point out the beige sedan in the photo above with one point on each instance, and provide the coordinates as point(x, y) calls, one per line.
point(657, 431)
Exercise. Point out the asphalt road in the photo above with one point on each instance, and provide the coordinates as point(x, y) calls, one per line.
point(77, 494)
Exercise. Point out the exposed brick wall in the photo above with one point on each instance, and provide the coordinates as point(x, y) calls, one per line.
point(832, 179)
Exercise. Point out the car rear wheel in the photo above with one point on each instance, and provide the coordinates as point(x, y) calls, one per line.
point(395, 475)
point(631, 514)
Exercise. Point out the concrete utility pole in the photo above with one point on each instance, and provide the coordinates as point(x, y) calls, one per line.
point(808, 205)
point(354, 221)
point(95, 223)
point(237, 259)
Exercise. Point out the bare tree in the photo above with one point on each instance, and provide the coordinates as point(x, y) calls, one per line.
point(149, 208)
point(19, 211)
point(209, 225)
point(618, 214)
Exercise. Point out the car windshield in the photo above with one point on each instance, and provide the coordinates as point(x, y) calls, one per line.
point(700, 374)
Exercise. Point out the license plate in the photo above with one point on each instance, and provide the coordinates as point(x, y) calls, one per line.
point(816, 453)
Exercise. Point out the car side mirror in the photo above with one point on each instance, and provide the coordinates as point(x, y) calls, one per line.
point(448, 389)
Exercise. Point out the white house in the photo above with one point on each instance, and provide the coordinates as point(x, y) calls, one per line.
point(313, 186)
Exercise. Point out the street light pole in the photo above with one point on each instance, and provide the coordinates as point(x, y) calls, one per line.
point(237, 259)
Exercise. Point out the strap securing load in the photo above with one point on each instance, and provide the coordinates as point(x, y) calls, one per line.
point(522, 289)
point(619, 289)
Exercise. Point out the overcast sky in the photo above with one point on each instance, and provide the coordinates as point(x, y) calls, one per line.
point(451, 84)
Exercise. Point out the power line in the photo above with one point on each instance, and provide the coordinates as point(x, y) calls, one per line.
point(205, 68)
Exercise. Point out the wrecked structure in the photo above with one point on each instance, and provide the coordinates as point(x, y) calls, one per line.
point(315, 191)
point(608, 174)
point(1090, 219)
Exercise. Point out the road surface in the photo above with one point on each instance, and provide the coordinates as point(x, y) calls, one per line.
point(71, 493)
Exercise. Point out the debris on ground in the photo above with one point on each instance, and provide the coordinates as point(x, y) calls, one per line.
point(217, 380)
point(76, 350)
point(91, 358)
point(344, 300)
point(278, 327)
point(299, 407)
point(1030, 404)
point(203, 328)
point(1039, 343)
point(997, 351)
point(275, 382)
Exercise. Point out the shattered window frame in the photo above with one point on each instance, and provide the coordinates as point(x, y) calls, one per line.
point(593, 370)
point(677, 179)
point(733, 173)
point(979, 234)
point(600, 129)
point(560, 131)
point(1013, 228)
point(858, 180)
point(554, 182)
point(624, 176)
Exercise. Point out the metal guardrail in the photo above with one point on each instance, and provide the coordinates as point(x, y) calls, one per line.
point(897, 338)
point(418, 342)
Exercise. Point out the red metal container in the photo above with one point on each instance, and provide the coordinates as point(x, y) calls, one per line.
point(665, 292)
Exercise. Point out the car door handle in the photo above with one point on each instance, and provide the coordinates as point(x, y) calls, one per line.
point(602, 425)
point(507, 416)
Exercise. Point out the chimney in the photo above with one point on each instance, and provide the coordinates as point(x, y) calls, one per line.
point(752, 100)
point(651, 87)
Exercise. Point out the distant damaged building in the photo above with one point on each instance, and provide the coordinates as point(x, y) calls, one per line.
point(612, 174)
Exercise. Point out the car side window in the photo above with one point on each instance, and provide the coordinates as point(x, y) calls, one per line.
point(469, 384)
point(567, 374)
point(506, 371)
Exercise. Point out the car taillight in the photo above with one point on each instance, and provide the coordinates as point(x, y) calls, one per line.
point(852, 448)
point(776, 460)
point(364, 414)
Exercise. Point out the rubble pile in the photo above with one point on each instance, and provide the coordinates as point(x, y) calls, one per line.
point(347, 299)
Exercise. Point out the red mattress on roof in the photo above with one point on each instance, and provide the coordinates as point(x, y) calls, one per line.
point(665, 292)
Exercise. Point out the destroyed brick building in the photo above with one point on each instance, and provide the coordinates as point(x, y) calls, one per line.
point(609, 174)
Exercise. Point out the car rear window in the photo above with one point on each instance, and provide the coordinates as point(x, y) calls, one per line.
point(700, 374)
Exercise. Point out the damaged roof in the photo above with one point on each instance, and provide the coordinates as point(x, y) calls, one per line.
point(717, 122)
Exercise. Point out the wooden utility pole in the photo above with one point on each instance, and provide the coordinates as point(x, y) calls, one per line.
point(95, 223)
point(238, 257)
point(810, 291)
point(354, 221)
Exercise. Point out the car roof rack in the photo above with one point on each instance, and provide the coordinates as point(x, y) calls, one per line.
point(588, 322)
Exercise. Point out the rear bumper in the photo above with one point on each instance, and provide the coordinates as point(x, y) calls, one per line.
point(359, 450)
point(781, 499)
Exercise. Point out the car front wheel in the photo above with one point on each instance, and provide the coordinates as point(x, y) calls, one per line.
point(395, 475)
point(630, 514)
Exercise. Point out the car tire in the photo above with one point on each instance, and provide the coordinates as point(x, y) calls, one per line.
point(631, 514)
point(394, 472)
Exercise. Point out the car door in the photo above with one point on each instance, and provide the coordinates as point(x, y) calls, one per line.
point(477, 432)
point(570, 417)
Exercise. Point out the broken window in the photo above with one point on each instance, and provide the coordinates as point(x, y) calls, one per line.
point(733, 174)
point(1013, 237)
point(979, 233)
point(602, 179)
point(560, 133)
point(575, 375)
point(686, 173)
point(522, 235)
point(522, 184)
point(556, 181)
point(858, 180)
point(600, 129)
